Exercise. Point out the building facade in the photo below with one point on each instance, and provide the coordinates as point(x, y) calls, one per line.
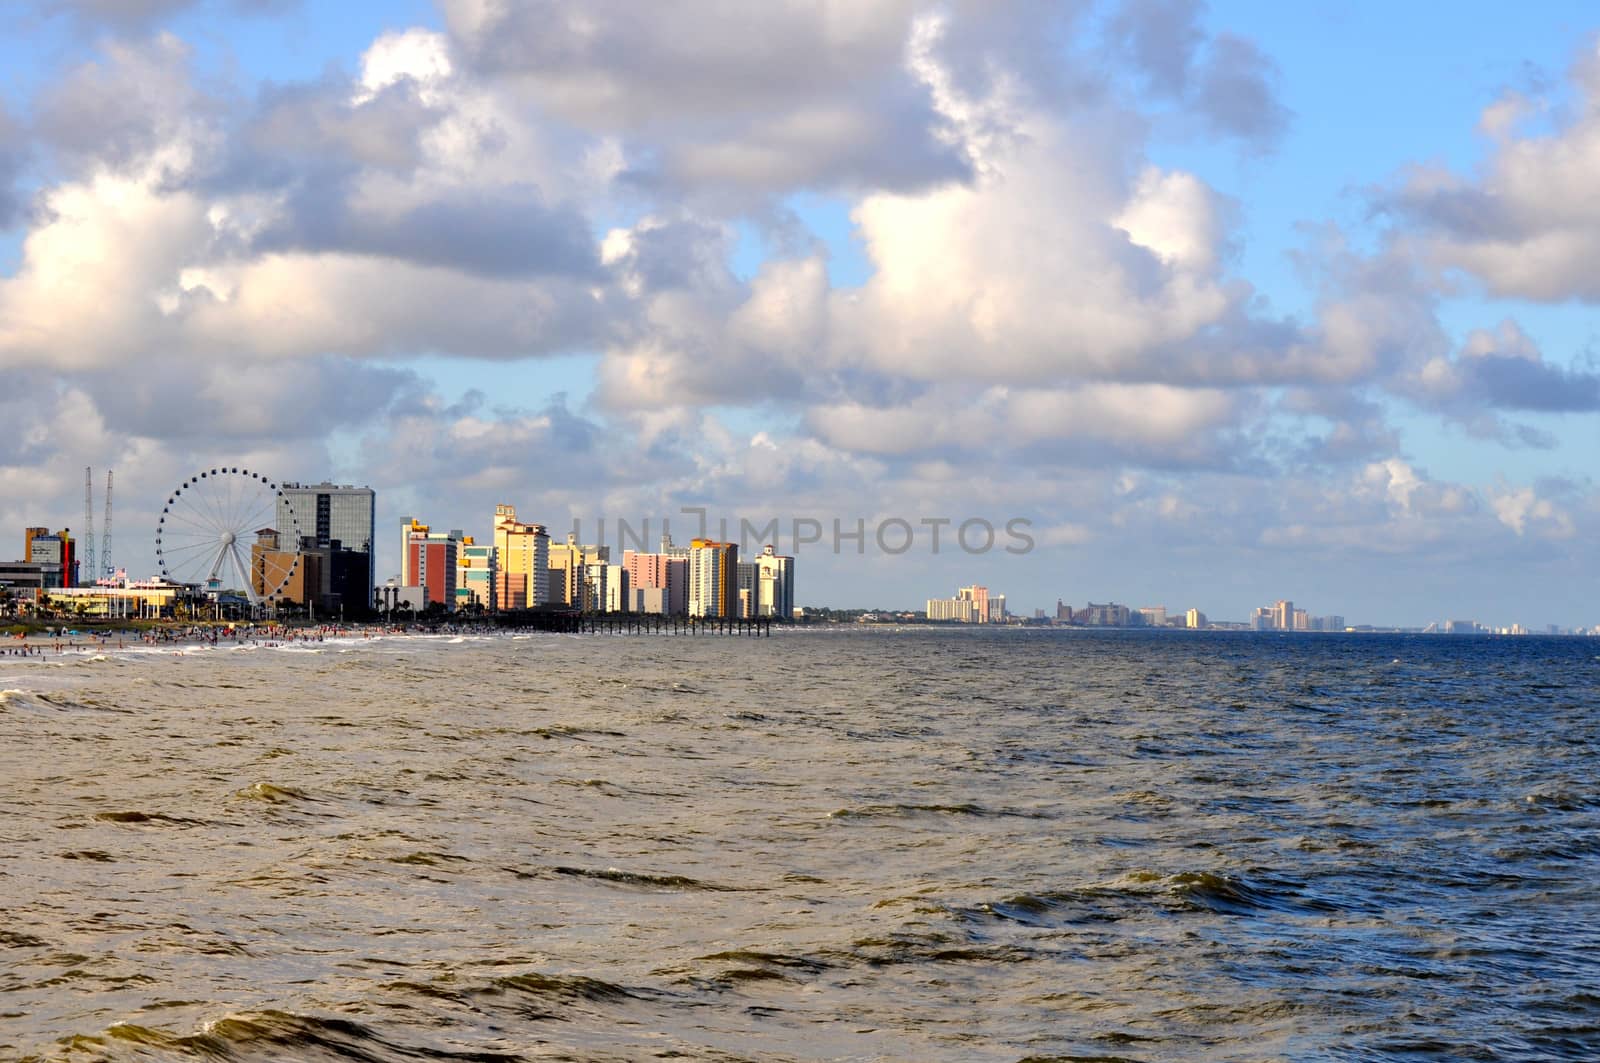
point(523, 561)
point(477, 576)
point(775, 584)
point(713, 578)
point(430, 561)
point(327, 512)
point(960, 610)
point(662, 572)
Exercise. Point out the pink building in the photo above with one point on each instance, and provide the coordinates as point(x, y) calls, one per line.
point(660, 572)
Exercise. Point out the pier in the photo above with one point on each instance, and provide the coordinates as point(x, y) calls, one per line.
point(570, 622)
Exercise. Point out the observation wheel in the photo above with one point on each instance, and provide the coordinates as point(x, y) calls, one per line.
point(229, 529)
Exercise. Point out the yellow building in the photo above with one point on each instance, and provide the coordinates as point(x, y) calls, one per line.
point(522, 557)
point(566, 573)
point(713, 578)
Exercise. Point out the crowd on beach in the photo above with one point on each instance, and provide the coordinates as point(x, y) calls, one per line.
point(267, 635)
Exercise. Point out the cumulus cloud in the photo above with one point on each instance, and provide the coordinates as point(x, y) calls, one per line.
point(1225, 80)
point(133, 15)
point(1051, 320)
point(1527, 224)
point(1525, 512)
point(13, 156)
point(715, 95)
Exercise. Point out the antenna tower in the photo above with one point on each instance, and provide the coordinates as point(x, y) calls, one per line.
point(105, 534)
point(91, 572)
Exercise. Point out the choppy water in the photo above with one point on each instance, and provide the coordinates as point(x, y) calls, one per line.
point(951, 845)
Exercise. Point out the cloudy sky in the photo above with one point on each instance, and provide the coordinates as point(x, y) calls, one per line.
point(1231, 301)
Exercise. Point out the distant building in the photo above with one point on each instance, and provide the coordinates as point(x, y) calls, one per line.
point(960, 610)
point(979, 597)
point(1108, 615)
point(522, 558)
point(477, 576)
point(430, 561)
point(971, 605)
point(24, 579)
point(569, 583)
point(713, 578)
point(1194, 618)
point(666, 572)
point(605, 587)
point(648, 600)
point(327, 512)
point(284, 574)
point(56, 554)
point(745, 606)
point(774, 584)
point(1283, 616)
point(1154, 615)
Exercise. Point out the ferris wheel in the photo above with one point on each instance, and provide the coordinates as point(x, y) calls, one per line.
point(229, 528)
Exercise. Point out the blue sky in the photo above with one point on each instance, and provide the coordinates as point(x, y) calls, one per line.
point(1232, 301)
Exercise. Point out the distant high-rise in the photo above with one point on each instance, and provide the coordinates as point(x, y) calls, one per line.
point(713, 578)
point(665, 575)
point(56, 553)
point(328, 512)
point(775, 584)
point(431, 561)
point(523, 551)
point(477, 576)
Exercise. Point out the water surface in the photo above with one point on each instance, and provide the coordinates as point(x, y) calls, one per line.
point(917, 845)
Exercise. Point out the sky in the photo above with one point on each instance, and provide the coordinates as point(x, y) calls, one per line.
point(1202, 305)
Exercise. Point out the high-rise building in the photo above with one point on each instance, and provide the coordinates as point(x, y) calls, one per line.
point(606, 588)
point(568, 581)
point(775, 583)
point(56, 553)
point(1194, 618)
point(523, 551)
point(1283, 615)
point(663, 573)
point(326, 512)
point(986, 609)
point(713, 578)
point(409, 526)
point(477, 576)
point(430, 562)
point(28, 536)
point(299, 576)
point(749, 575)
point(961, 610)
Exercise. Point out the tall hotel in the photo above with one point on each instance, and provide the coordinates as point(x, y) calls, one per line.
point(431, 560)
point(713, 578)
point(522, 554)
point(330, 513)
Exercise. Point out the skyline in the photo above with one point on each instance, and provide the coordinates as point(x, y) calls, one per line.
point(1228, 302)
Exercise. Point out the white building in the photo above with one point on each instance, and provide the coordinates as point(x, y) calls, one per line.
point(774, 584)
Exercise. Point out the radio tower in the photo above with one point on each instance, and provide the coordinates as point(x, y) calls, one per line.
point(92, 572)
point(105, 534)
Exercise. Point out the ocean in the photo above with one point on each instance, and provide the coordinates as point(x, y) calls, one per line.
point(829, 844)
